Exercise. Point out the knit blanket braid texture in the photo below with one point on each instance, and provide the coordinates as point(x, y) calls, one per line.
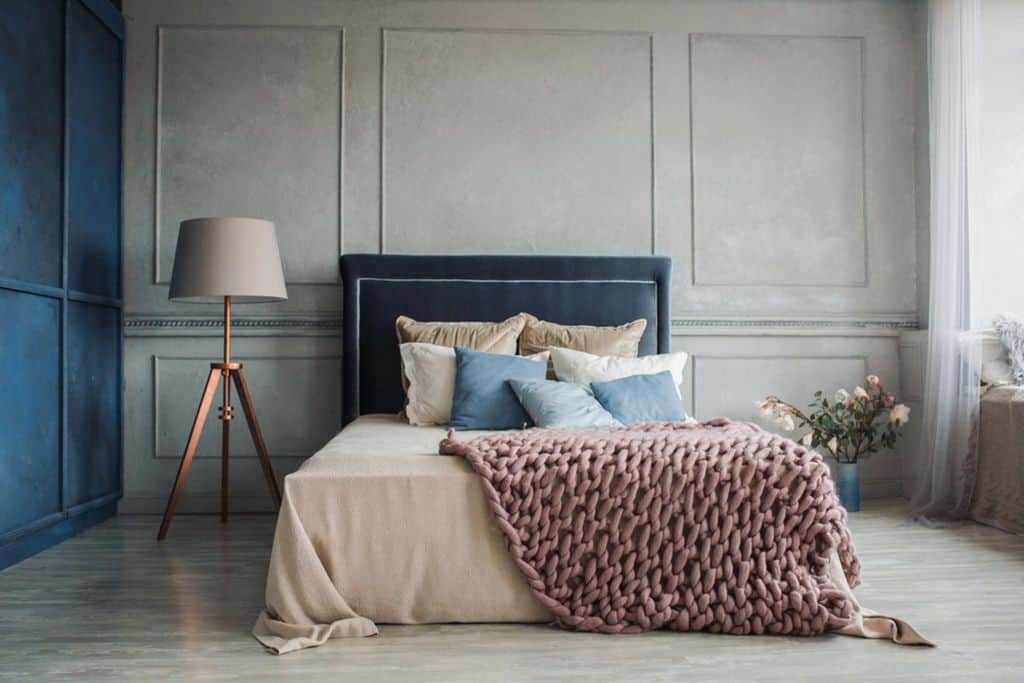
point(717, 526)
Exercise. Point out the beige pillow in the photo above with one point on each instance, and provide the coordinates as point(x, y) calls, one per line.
point(623, 340)
point(500, 337)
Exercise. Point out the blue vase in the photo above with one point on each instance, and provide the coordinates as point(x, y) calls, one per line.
point(848, 483)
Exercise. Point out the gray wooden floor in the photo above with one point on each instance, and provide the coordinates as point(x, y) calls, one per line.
point(114, 604)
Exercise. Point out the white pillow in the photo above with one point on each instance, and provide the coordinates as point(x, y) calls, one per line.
point(430, 371)
point(995, 363)
point(583, 368)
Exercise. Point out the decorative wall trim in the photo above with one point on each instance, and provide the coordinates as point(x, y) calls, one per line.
point(294, 326)
point(694, 362)
point(277, 450)
point(385, 30)
point(160, 278)
point(322, 323)
point(865, 233)
point(330, 325)
point(890, 325)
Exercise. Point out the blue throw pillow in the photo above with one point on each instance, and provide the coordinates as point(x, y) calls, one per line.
point(483, 399)
point(561, 404)
point(641, 398)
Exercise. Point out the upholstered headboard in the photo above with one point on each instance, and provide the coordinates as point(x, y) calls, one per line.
point(573, 290)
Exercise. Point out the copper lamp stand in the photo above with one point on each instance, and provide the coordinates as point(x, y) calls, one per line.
point(229, 371)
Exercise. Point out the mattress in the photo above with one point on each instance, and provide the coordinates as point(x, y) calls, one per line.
point(377, 527)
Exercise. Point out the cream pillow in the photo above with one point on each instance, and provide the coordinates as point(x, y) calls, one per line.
point(622, 340)
point(429, 372)
point(583, 368)
point(499, 337)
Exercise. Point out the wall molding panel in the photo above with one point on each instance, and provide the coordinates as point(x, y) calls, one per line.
point(137, 326)
point(327, 418)
point(450, 78)
point(161, 275)
point(762, 144)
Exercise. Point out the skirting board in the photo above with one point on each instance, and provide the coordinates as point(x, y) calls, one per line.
point(23, 547)
point(202, 504)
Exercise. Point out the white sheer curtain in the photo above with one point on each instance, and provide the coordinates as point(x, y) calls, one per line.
point(946, 465)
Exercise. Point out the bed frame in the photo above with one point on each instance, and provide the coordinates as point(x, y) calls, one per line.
point(573, 290)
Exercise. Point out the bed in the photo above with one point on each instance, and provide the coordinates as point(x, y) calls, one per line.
point(378, 528)
point(998, 496)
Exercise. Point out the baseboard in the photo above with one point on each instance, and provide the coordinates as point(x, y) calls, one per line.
point(195, 504)
point(27, 545)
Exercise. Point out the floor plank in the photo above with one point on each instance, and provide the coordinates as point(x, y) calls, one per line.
point(114, 604)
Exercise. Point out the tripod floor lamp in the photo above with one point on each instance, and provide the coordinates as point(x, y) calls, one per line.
point(229, 260)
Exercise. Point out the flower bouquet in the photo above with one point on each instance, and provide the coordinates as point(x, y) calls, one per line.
point(848, 426)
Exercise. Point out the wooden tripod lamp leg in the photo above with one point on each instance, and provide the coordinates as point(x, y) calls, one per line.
point(257, 435)
point(190, 449)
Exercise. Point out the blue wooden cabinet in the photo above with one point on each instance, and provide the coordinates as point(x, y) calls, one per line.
point(61, 84)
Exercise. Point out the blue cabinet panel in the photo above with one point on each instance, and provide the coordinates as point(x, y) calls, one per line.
point(30, 422)
point(94, 154)
point(31, 139)
point(93, 463)
point(60, 270)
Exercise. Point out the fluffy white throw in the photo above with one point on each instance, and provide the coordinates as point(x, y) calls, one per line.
point(1011, 332)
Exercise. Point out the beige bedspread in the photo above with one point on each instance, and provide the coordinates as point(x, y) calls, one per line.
point(376, 527)
point(998, 498)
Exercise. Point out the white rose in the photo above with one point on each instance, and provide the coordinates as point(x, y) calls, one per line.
point(860, 393)
point(787, 423)
point(900, 414)
point(873, 380)
point(842, 395)
point(808, 439)
point(833, 444)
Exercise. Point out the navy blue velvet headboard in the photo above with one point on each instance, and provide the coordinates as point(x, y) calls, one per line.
point(573, 290)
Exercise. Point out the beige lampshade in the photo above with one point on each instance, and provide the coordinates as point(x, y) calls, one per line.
point(236, 257)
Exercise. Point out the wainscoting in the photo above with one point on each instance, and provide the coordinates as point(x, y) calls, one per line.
point(60, 270)
point(772, 149)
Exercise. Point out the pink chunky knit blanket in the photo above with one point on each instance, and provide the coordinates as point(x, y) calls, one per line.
point(718, 526)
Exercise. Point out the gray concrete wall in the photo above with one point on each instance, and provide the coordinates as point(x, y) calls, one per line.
point(772, 148)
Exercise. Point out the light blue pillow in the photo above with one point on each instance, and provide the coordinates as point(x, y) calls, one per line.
point(641, 398)
point(560, 404)
point(482, 398)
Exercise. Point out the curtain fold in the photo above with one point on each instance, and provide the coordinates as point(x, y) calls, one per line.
point(947, 455)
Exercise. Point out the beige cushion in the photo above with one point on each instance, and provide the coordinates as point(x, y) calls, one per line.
point(623, 340)
point(500, 337)
point(497, 337)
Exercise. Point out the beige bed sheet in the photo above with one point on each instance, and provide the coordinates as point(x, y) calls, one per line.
point(376, 527)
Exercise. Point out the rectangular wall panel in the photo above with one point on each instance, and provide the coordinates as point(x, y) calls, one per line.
point(94, 155)
point(778, 160)
point(517, 141)
point(30, 419)
point(31, 139)
point(249, 124)
point(732, 385)
point(298, 405)
point(93, 463)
